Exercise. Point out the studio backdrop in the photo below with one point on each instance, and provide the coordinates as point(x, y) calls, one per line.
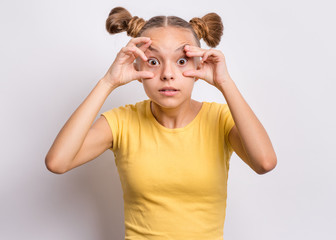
point(280, 54)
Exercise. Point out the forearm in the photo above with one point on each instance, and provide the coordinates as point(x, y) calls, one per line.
point(72, 135)
point(253, 135)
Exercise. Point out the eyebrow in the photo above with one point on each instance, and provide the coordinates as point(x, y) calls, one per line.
point(178, 49)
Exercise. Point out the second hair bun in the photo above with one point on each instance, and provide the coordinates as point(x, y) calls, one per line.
point(120, 20)
point(209, 27)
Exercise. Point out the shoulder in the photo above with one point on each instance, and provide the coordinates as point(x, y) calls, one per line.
point(128, 108)
point(216, 108)
point(219, 113)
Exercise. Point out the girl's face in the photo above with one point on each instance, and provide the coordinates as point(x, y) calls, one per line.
point(167, 60)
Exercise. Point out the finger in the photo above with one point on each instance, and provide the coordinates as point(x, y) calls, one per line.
point(211, 53)
point(192, 51)
point(140, 53)
point(144, 46)
point(135, 52)
point(195, 53)
point(135, 41)
point(194, 73)
point(192, 48)
point(206, 55)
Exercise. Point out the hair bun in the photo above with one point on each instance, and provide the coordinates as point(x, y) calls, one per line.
point(120, 20)
point(200, 27)
point(209, 27)
point(134, 26)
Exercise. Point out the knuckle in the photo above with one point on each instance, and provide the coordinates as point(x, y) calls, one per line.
point(128, 49)
point(134, 40)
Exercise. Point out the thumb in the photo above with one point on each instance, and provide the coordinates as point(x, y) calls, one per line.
point(193, 73)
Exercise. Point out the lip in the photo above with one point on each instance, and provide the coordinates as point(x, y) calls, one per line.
point(168, 88)
point(169, 91)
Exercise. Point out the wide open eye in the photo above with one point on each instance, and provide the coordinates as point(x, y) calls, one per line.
point(153, 62)
point(182, 61)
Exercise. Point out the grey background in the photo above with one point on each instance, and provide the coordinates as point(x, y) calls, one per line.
point(281, 54)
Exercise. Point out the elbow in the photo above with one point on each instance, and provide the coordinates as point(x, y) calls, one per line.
point(268, 164)
point(53, 165)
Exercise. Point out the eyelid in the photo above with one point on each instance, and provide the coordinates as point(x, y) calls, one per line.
point(183, 57)
point(152, 58)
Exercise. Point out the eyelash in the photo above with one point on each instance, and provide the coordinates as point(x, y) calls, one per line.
point(184, 57)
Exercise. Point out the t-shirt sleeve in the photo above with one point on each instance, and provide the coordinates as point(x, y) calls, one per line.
point(228, 122)
point(116, 118)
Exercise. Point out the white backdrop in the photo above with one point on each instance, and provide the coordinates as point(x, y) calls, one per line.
point(281, 54)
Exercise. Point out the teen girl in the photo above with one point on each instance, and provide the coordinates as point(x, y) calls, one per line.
point(172, 152)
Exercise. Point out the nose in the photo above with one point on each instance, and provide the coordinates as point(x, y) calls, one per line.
point(167, 72)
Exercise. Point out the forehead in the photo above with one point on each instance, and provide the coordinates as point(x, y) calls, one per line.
point(169, 38)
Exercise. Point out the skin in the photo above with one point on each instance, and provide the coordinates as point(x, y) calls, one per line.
point(167, 60)
point(82, 140)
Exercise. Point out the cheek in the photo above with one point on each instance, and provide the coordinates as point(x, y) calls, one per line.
point(188, 67)
point(144, 67)
point(196, 61)
point(192, 64)
point(151, 69)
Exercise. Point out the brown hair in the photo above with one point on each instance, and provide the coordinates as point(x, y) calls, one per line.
point(209, 27)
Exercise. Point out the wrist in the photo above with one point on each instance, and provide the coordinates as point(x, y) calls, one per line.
point(227, 83)
point(107, 84)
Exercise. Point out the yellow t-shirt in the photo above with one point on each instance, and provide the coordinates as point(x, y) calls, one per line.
point(174, 180)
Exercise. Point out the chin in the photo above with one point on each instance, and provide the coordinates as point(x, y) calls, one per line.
point(168, 102)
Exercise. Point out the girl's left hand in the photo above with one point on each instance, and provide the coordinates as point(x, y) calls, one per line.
point(212, 67)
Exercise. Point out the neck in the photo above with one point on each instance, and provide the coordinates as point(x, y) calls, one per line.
point(176, 117)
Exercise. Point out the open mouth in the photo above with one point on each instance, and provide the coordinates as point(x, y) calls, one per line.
point(169, 91)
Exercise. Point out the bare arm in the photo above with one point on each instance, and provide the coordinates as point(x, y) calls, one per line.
point(78, 142)
point(248, 137)
point(62, 154)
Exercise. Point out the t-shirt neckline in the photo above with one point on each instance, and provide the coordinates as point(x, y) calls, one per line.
point(172, 130)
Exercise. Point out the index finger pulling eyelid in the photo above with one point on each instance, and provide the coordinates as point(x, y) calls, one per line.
point(195, 52)
point(195, 49)
point(192, 47)
point(141, 54)
point(140, 40)
point(145, 46)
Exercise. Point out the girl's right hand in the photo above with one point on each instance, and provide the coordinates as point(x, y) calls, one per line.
point(123, 70)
